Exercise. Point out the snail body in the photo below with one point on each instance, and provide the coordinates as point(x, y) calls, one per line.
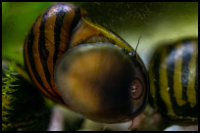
point(85, 67)
point(173, 74)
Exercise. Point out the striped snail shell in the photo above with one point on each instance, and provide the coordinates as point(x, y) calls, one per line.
point(173, 74)
point(80, 64)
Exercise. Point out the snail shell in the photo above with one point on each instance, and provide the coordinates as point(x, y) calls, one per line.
point(173, 74)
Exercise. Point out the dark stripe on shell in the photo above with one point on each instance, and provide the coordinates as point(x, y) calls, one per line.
point(44, 53)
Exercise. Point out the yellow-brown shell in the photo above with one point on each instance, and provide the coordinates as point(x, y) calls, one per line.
point(173, 74)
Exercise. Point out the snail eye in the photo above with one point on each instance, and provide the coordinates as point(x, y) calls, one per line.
point(136, 89)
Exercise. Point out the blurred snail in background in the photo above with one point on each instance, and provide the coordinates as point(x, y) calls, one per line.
point(85, 67)
point(173, 74)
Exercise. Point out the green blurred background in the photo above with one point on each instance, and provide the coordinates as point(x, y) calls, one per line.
point(157, 23)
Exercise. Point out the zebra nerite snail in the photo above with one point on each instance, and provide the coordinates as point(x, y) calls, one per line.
point(80, 64)
point(173, 75)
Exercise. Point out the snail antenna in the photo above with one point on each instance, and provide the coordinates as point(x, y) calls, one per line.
point(137, 45)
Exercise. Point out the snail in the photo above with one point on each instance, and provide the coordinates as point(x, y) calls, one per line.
point(173, 74)
point(78, 63)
